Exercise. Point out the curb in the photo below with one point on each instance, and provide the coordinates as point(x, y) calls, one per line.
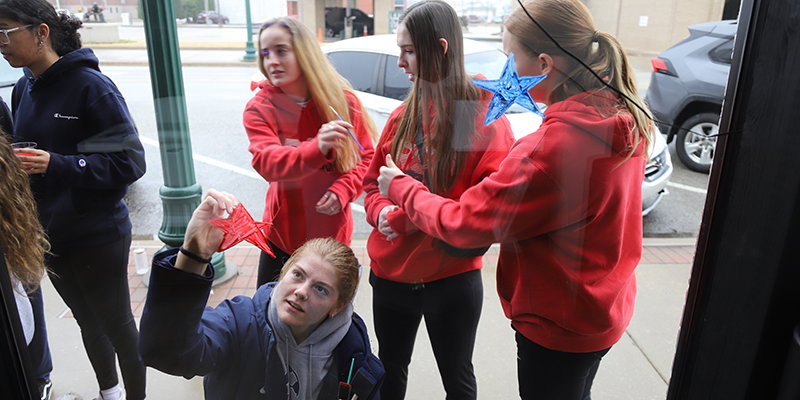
point(142, 45)
point(183, 64)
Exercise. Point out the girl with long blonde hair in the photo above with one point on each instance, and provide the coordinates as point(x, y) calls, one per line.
point(298, 127)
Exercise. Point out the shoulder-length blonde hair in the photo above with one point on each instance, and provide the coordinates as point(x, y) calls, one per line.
point(338, 255)
point(442, 85)
point(327, 87)
point(21, 234)
point(571, 25)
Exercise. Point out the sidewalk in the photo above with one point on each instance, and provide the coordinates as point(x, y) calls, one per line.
point(637, 368)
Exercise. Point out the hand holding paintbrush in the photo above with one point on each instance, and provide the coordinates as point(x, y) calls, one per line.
point(348, 130)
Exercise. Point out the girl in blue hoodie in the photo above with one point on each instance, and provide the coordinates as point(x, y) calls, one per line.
point(88, 153)
point(297, 339)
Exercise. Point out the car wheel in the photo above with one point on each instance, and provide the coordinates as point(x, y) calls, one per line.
point(695, 151)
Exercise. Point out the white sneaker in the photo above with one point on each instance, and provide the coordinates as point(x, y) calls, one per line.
point(100, 396)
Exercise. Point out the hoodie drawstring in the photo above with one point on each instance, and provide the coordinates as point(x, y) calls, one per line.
point(286, 368)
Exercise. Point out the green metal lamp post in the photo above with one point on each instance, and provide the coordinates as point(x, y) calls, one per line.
point(249, 49)
point(180, 193)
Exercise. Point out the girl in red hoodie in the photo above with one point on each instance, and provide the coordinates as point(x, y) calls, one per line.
point(300, 144)
point(565, 204)
point(437, 135)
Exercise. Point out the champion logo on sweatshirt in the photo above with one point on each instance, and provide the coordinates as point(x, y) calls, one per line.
point(58, 115)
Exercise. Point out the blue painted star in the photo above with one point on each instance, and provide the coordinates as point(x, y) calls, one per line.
point(510, 89)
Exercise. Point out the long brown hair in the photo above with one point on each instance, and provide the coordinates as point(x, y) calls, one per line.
point(21, 234)
point(327, 87)
point(340, 256)
point(443, 84)
point(572, 26)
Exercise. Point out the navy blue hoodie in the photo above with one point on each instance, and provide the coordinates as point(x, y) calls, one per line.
point(79, 116)
point(233, 345)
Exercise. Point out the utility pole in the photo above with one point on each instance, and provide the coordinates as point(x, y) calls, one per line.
point(180, 193)
point(249, 49)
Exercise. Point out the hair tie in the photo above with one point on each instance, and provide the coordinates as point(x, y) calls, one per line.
point(596, 36)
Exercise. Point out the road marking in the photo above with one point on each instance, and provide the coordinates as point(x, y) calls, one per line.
point(232, 168)
point(686, 187)
point(211, 161)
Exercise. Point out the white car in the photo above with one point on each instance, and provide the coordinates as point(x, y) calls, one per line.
point(370, 64)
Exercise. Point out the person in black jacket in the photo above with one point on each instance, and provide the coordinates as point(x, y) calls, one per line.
point(296, 339)
point(88, 153)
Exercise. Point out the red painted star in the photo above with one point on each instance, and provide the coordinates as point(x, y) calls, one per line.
point(241, 226)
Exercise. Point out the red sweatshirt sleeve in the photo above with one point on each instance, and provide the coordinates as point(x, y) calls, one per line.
point(374, 202)
point(520, 200)
point(490, 149)
point(349, 186)
point(271, 159)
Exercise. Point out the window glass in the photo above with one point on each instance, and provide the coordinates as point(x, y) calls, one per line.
point(489, 63)
point(224, 162)
point(9, 74)
point(357, 67)
point(723, 53)
point(396, 84)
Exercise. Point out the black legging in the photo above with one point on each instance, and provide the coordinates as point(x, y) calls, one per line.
point(452, 310)
point(269, 268)
point(93, 281)
point(550, 374)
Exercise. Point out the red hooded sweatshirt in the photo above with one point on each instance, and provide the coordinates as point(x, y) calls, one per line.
point(300, 176)
point(566, 207)
point(414, 256)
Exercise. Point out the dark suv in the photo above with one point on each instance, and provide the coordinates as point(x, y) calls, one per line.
point(687, 87)
point(215, 17)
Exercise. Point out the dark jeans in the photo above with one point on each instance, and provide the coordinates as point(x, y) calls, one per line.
point(452, 309)
point(546, 374)
point(93, 281)
point(269, 269)
point(39, 349)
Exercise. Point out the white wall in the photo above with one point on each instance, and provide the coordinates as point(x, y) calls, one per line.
point(260, 10)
